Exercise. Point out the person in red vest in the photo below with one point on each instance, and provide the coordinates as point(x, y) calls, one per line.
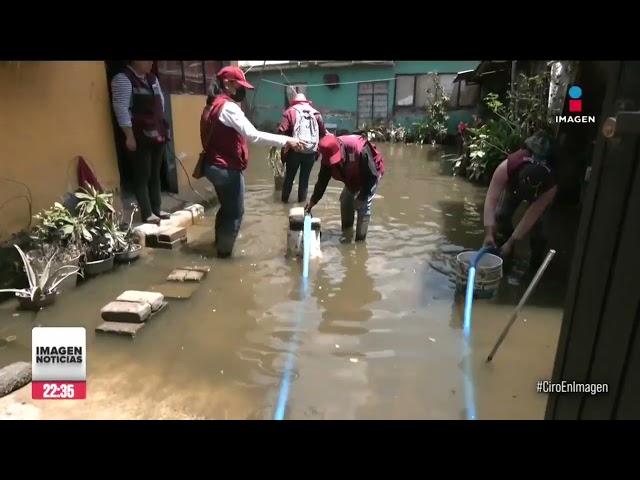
point(224, 131)
point(356, 162)
point(303, 122)
point(138, 105)
point(525, 176)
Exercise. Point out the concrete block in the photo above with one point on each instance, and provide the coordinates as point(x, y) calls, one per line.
point(118, 328)
point(125, 312)
point(153, 242)
point(296, 214)
point(14, 377)
point(154, 299)
point(171, 234)
point(183, 275)
point(197, 268)
point(182, 218)
point(196, 209)
point(175, 290)
point(125, 328)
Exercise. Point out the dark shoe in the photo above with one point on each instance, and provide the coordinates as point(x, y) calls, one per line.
point(153, 219)
point(163, 215)
point(224, 255)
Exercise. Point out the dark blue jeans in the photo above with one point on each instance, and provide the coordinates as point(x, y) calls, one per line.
point(295, 161)
point(229, 186)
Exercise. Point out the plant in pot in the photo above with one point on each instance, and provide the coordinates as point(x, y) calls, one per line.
point(277, 167)
point(43, 284)
point(96, 210)
point(125, 249)
point(60, 234)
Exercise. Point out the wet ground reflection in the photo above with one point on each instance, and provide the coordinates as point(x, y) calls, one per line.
point(381, 330)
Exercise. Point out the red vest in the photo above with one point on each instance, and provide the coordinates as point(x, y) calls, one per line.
point(147, 117)
point(515, 161)
point(224, 147)
point(353, 145)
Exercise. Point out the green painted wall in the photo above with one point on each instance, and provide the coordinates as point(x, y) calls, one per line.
point(339, 106)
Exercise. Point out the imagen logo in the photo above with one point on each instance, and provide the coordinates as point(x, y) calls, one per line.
point(575, 99)
point(59, 363)
point(575, 107)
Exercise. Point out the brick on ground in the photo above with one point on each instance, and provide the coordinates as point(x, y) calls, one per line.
point(125, 312)
point(154, 299)
point(127, 329)
point(186, 275)
point(118, 328)
point(171, 234)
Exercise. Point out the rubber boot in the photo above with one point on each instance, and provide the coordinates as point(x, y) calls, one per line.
point(362, 227)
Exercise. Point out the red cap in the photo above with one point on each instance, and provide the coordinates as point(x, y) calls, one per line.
point(329, 149)
point(236, 74)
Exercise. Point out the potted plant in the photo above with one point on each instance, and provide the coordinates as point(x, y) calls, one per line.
point(97, 213)
point(125, 249)
point(61, 234)
point(98, 256)
point(43, 285)
point(68, 256)
point(277, 167)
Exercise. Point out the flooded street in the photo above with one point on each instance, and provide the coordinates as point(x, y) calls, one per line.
point(379, 333)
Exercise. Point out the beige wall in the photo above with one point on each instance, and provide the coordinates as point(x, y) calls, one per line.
point(186, 111)
point(51, 112)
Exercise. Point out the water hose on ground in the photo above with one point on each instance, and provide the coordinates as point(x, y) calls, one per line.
point(288, 369)
point(466, 333)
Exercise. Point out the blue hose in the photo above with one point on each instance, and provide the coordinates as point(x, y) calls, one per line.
point(466, 332)
point(288, 369)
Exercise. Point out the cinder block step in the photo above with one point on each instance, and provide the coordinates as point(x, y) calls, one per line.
point(171, 234)
point(127, 329)
point(185, 275)
point(154, 299)
point(125, 312)
point(176, 290)
point(153, 242)
point(117, 328)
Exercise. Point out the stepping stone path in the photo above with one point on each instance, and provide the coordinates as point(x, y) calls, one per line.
point(130, 312)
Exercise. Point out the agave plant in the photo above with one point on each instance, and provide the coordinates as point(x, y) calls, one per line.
point(42, 283)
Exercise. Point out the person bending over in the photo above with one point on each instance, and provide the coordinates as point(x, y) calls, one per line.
point(354, 161)
point(525, 176)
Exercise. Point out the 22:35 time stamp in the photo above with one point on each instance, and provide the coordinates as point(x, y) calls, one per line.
point(59, 390)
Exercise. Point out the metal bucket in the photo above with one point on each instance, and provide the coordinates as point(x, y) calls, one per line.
point(488, 274)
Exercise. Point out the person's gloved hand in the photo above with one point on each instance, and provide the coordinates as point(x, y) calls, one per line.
point(308, 207)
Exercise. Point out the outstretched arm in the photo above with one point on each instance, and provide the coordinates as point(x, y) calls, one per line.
point(232, 116)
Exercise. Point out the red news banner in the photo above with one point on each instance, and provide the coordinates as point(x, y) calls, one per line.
point(59, 363)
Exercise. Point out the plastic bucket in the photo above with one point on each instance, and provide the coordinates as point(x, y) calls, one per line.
point(488, 274)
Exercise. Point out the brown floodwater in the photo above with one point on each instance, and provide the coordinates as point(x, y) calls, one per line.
point(379, 335)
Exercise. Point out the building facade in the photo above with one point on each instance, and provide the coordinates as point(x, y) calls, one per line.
point(351, 94)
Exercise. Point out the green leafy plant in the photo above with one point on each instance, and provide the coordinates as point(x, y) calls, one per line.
point(44, 282)
point(524, 111)
point(58, 227)
point(122, 240)
point(433, 129)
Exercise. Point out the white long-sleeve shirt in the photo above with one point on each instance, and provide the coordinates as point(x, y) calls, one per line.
point(121, 93)
point(232, 116)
